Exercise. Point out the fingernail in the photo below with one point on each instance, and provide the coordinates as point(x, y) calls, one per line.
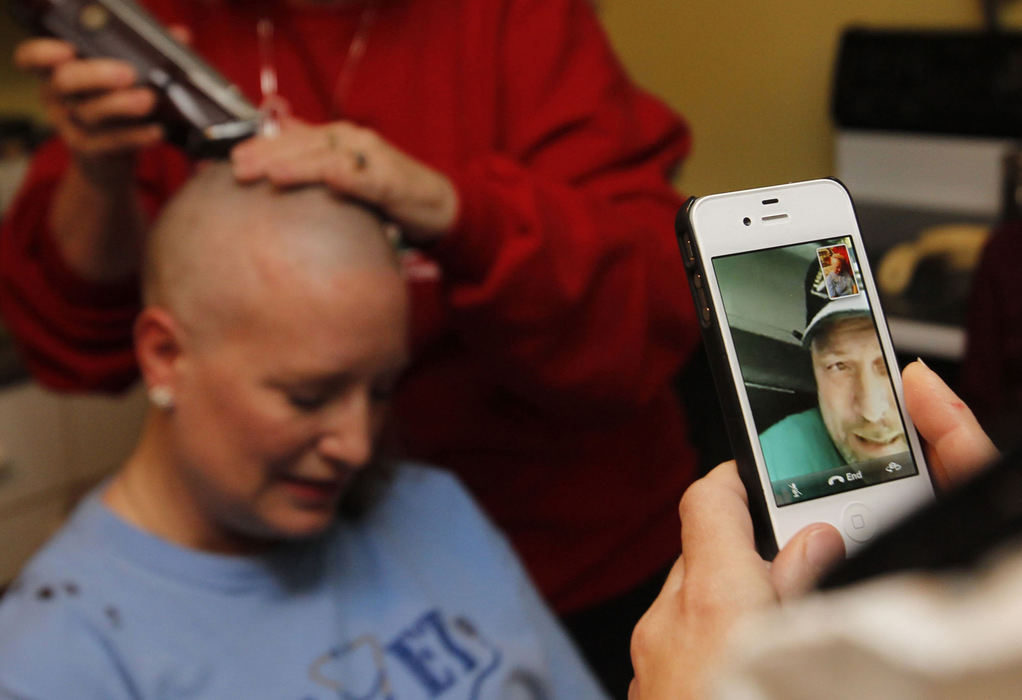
point(824, 548)
point(920, 361)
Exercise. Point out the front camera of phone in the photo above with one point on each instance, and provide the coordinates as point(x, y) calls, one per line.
point(747, 221)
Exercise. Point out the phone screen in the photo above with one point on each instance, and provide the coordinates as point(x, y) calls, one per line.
point(817, 381)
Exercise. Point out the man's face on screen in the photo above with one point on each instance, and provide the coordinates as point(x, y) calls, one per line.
point(854, 391)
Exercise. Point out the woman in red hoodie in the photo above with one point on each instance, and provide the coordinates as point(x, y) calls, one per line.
point(531, 180)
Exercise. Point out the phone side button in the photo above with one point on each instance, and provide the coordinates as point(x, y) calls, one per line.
point(858, 522)
point(705, 315)
point(690, 253)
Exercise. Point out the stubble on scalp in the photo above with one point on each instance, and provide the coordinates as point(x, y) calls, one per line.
point(220, 247)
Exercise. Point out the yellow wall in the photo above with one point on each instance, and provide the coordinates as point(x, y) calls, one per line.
point(753, 76)
point(18, 93)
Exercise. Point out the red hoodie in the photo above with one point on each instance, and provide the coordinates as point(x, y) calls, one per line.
point(547, 326)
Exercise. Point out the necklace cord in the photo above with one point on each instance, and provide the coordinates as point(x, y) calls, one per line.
point(331, 96)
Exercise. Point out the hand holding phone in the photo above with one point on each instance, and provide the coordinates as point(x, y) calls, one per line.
point(682, 640)
point(802, 360)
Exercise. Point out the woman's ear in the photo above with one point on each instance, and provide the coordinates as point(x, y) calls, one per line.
point(158, 347)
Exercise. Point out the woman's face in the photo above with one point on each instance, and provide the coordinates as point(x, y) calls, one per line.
point(275, 415)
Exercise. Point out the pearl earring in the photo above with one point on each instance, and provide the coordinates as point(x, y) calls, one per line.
point(162, 397)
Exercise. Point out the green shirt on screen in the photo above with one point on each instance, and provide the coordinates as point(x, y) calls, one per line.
point(799, 445)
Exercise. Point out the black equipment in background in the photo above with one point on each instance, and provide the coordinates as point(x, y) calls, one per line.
point(935, 81)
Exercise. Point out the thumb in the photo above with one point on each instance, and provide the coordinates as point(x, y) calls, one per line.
point(806, 557)
point(960, 448)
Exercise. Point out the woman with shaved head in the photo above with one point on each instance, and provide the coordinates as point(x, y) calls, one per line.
point(212, 564)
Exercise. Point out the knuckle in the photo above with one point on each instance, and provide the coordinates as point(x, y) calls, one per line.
point(62, 78)
point(111, 71)
point(694, 494)
point(347, 129)
point(386, 192)
point(701, 603)
point(280, 172)
point(139, 96)
point(71, 77)
point(362, 137)
point(369, 137)
point(94, 112)
point(639, 643)
point(708, 603)
point(135, 102)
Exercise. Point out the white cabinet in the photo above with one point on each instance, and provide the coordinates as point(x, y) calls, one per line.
point(52, 448)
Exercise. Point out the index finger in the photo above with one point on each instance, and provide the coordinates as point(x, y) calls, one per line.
point(93, 75)
point(42, 54)
point(716, 528)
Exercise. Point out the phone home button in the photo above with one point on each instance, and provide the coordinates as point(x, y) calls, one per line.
point(858, 522)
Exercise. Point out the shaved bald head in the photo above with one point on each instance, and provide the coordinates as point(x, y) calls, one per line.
point(276, 322)
point(220, 248)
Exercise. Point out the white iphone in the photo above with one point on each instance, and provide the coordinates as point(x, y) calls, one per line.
point(803, 361)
